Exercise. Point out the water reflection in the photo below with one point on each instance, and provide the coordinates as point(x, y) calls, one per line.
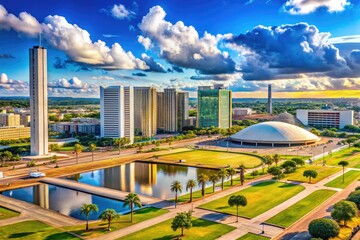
point(143, 178)
point(63, 200)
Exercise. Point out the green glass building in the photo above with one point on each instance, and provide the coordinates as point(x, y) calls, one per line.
point(214, 108)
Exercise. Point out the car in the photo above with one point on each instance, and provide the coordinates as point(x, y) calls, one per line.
point(37, 174)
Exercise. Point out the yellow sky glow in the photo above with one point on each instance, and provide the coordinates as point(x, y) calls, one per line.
point(310, 94)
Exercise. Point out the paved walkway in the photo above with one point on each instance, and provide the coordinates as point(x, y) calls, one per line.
point(100, 191)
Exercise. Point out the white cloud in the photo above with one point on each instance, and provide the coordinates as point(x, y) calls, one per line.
point(63, 86)
point(309, 6)
point(25, 23)
point(145, 41)
point(102, 78)
point(182, 46)
point(8, 86)
point(119, 11)
point(345, 39)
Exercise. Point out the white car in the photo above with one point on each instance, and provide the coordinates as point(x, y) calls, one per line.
point(37, 174)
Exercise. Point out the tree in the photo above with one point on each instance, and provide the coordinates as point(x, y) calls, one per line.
point(54, 159)
point(351, 140)
point(109, 215)
point(231, 173)
point(289, 166)
point(190, 185)
point(237, 200)
point(310, 174)
point(15, 158)
point(176, 187)
point(315, 132)
point(343, 164)
point(276, 172)
point(242, 174)
point(182, 221)
point(344, 211)
point(54, 147)
point(268, 160)
point(299, 161)
point(202, 180)
point(92, 148)
point(223, 173)
point(86, 209)
point(354, 197)
point(213, 179)
point(324, 228)
point(121, 142)
point(78, 148)
point(276, 158)
point(132, 200)
point(5, 156)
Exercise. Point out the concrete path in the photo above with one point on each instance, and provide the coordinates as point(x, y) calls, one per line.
point(100, 191)
point(22, 217)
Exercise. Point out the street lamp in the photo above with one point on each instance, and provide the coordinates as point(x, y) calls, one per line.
point(263, 228)
point(324, 156)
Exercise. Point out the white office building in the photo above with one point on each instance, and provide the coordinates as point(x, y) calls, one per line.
point(38, 101)
point(117, 112)
point(326, 118)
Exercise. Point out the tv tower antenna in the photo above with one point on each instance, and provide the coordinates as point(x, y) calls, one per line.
point(40, 40)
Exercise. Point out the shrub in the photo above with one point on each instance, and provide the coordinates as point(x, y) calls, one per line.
point(324, 228)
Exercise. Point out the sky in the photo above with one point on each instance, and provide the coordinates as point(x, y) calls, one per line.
point(301, 47)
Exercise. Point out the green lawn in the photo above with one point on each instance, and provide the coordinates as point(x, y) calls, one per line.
point(352, 155)
point(350, 177)
point(293, 213)
point(99, 228)
point(7, 213)
point(33, 230)
point(215, 158)
point(252, 236)
point(260, 198)
point(323, 172)
point(201, 229)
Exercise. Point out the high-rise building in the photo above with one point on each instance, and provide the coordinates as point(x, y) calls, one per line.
point(170, 110)
point(160, 111)
point(182, 110)
point(38, 101)
point(269, 99)
point(117, 112)
point(214, 107)
point(9, 120)
point(25, 120)
point(145, 111)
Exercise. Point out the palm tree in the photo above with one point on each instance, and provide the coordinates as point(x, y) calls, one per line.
point(86, 209)
point(223, 173)
point(343, 164)
point(120, 142)
point(78, 148)
point(213, 179)
point(231, 172)
point(132, 200)
point(109, 215)
point(276, 159)
point(202, 180)
point(190, 185)
point(237, 200)
point(92, 148)
point(176, 187)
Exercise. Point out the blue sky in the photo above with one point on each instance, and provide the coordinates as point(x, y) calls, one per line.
point(297, 45)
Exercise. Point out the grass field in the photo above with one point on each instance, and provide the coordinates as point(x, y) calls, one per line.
point(99, 228)
point(260, 198)
point(252, 236)
point(201, 229)
point(215, 158)
point(33, 230)
point(323, 172)
point(293, 213)
point(350, 177)
point(7, 213)
point(352, 155)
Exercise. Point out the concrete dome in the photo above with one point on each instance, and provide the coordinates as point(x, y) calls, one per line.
point(274, 133)
point(288, 118)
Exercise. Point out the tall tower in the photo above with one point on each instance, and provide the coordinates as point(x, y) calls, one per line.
point(145, 112)
point(38, 101)
point(117, 112)
point(269, 100)
point(170, 110)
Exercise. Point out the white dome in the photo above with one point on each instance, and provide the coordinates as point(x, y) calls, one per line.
point(274, 133)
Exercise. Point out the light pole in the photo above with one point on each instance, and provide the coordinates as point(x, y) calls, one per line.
point(324, 156)
point(263, 228)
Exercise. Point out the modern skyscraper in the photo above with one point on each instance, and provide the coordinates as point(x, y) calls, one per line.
point(214, 107)
point(117, 112)
point(160, 111)
point(182, 110)
point(145, 111)
point(170, 110)
point(269, 99)
point(38, 101)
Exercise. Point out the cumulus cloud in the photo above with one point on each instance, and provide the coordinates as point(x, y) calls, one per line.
point(182, 46)
point(152, 64)
point(285, 52)
point(120, 12)
point(8, 85)
point(345, 39)
point(25, 23)
point(309, 6)
point(145, 41)
point(73, 85)
point(102, 78)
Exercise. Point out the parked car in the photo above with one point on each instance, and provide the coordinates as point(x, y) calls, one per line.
point(37, 174)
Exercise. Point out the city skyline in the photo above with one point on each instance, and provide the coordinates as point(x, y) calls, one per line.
point(304, 49)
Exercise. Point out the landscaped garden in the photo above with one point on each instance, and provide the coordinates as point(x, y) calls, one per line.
point(323, 172)
point(215, 158)
point(293, 213)
point(33, 230)
point(260, 198)
point(350, 177)
point(351, 155)
point(201, 229)
point(252, 236)
point(7, 213)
